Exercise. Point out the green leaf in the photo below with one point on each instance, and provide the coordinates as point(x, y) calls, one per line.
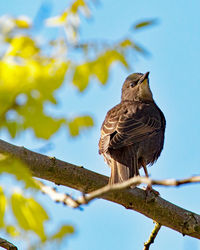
point(18, 169)
point(145, 23)
point(2, 206)
point(64, 231)
point(79, 123)
point(29, 214)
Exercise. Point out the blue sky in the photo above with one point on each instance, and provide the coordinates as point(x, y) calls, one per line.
point(174, 45)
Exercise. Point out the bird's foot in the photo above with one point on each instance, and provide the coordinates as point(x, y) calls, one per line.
point(150, 190)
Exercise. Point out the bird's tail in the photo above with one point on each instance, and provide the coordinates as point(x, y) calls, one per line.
point(122, 172)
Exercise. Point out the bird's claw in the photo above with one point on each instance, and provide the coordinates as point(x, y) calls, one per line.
point(149, 190)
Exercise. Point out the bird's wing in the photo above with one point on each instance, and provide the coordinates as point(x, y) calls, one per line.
point(136, 127)
point(108, 128)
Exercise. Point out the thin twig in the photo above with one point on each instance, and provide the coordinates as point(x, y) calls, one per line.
point(7, 245)
point(135, 181)
point(152, 236)
point(56, 196)
point(84, 199)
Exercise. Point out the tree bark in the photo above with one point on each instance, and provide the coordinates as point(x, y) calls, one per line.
point(79, 178)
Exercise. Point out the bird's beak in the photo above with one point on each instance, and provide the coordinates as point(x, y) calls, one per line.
point(144, 79)
point(144, 89)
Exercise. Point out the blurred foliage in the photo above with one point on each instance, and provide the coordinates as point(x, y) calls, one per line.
point(28, 80)
point(98, 67)
point(18, 169)
point(61, 233)
point(25, 210)
point(29, 217)
point(2, 206)
point(33, 68)
point(32, 71)
point(79, 123)
point(146, 23)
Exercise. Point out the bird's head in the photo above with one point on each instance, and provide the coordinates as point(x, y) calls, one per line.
point(136, 88)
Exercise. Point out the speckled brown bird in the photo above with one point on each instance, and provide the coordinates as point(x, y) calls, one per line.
point(132, 134)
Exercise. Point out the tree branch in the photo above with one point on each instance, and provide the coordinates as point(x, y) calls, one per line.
point(63, 173)
point(152, 236)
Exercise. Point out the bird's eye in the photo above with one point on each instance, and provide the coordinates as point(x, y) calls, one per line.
point(132, 84)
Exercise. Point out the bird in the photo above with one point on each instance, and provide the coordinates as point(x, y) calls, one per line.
point(132, 134)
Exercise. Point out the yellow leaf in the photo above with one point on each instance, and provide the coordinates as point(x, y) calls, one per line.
point(76, 5)
point(64, 231)
point(18, 169)
point(126, 43)
point(79, 123)
point(81, 76)
point(10, 229)
point(29, 214)
point(22, 46)
point(22, 22)
point(115, 56)
point(32, 113)
point(102, 65)
point(37, 78)
point(100, 69)
point(18, 203)
point(2, 206)
point(57, 20)
point(12, 127)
